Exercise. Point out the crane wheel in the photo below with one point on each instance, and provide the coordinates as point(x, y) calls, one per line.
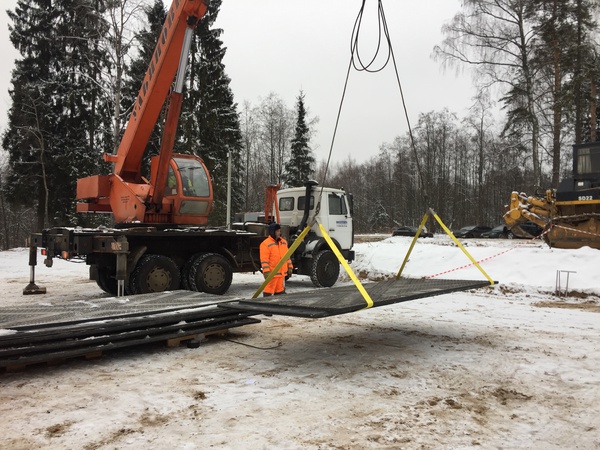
point(106, 280)
point(325, 269)
point(210, 273)
point(154, 273)
point(185, 272)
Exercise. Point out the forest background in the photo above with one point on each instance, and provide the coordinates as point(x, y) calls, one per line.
point(82, 62)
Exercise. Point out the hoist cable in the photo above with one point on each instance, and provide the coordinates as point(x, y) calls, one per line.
point(356, 62)
point(410, 133)
point(354, 42)
point(337, 121)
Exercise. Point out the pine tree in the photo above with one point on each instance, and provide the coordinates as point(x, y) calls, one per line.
point(56, 118)
point(300, 166)
point(563, 27)
point(29, 130)
point(83, 114)
point(210, 124)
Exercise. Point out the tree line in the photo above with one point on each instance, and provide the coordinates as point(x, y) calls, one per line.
point(82, 61)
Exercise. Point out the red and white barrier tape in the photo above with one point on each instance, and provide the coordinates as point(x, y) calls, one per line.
point(575, 230)
point(490, 257)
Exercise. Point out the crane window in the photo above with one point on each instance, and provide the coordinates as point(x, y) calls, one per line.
point(171, 188)
point(302, 202)
point(286, 204)
point(337, 205)
point(194, 179)
point(588, 160)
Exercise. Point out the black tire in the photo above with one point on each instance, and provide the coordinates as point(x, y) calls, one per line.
point(154, 273)
point(210, 273)
point(325, 269)
point(510, 235)
point(106, 280)
point(185, 272)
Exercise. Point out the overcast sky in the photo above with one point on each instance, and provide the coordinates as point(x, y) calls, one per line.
point(283, 46)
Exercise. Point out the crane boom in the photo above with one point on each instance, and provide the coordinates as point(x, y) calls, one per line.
point(126, 193)
point(182, 15)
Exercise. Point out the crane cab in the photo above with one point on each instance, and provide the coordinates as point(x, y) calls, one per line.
point(188, 193)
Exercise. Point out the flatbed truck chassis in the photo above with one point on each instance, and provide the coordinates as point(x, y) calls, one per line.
point(140, 260)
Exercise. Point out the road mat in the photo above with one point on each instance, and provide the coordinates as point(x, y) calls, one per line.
point(346, 299)
point(55, 331)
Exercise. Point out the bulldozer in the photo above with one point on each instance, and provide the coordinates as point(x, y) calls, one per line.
point(569, 214)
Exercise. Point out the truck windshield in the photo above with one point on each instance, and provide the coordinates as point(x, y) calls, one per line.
point(194, 178)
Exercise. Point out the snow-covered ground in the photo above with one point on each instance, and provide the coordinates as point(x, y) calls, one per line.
point(511, 366)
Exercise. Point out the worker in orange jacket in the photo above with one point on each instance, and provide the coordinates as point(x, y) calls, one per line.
point(272, 250)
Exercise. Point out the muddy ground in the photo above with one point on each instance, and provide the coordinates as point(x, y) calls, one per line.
point(494, 368)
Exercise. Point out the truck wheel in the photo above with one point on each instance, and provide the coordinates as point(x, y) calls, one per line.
point(325, 269)
point(106, 281)
point(211, 273)
point(154, 273)
point(185, 272)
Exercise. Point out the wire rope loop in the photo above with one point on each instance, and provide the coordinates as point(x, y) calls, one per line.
point(356, 62)
point(383, 30)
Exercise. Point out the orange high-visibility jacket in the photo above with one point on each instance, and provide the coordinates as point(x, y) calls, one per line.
point(271, 252)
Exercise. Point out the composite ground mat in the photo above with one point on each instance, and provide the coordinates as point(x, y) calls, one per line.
point(346, 299)
point(44, 332)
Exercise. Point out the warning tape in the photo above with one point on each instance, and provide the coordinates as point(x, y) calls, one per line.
point(512, 248)
point(489, 257)
point(577, 230)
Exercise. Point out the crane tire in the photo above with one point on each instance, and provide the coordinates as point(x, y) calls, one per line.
point(185, 271)
point(106, 281)
point(325, 269)
point(154, 273)
point(210, 273)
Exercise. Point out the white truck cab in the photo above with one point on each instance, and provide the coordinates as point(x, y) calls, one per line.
point(334, 212)
point(314, 257)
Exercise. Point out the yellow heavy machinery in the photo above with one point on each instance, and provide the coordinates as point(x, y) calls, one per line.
point(570, 214)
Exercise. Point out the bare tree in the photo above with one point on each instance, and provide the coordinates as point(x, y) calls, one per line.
point(276, 130)
point(479, 123)
point(496, 38)
point(124, 17)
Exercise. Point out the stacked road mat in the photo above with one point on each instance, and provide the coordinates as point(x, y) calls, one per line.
point(47, 332)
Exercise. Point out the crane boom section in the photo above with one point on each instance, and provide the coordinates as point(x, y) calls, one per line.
point(155, 87)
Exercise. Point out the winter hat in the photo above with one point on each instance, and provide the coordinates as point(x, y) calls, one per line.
point(272, 227)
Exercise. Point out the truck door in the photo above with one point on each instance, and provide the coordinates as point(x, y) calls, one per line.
point(339, 222)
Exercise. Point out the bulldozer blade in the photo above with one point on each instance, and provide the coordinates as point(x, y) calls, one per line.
point(571, 234)
point(520, 232)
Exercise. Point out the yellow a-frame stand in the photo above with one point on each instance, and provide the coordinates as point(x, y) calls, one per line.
point(348, 269)
point(429, 213)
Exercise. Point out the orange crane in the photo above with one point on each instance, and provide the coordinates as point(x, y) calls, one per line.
point(172, 250)
point(179, 190)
